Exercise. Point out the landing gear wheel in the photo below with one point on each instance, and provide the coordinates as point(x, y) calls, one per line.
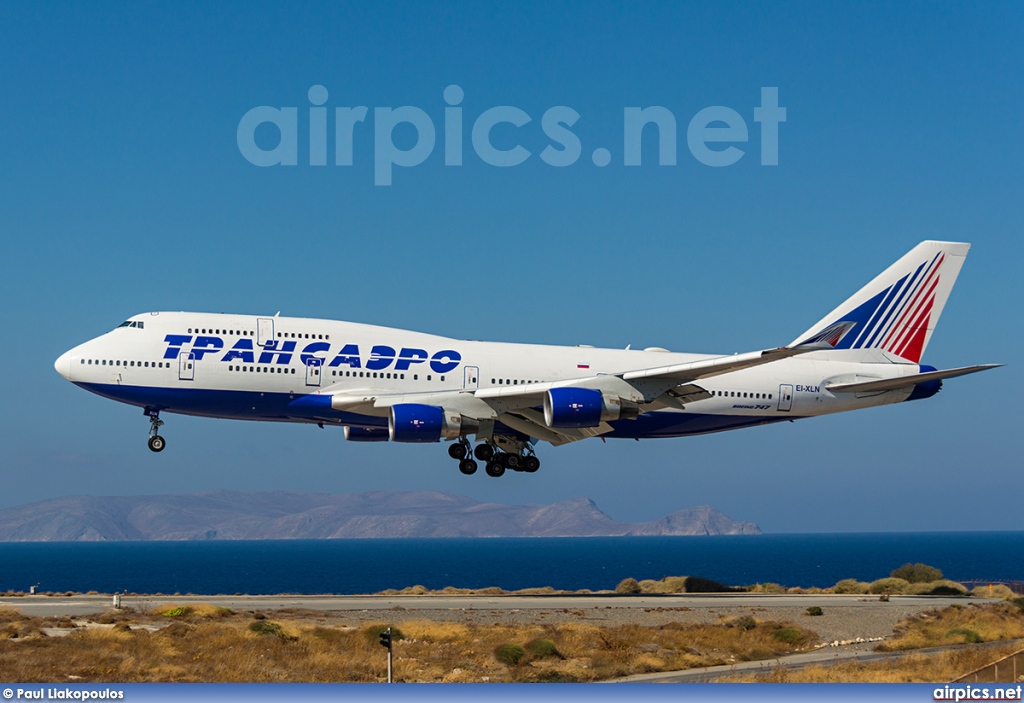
point(467, 466)
point(484, 452)
point(458, 451)
point(495, 469)
point(512, 461)
point(156, 443)
point(530, 464)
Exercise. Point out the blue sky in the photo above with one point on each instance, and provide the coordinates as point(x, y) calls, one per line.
point(123, 189)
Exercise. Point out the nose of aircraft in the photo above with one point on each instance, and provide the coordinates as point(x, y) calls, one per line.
point(63, 365)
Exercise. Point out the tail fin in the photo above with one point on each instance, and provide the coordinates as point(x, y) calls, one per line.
point(896, 312)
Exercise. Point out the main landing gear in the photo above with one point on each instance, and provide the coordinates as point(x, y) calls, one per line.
point(460, 452)
point(496, 462)
point(156, 442)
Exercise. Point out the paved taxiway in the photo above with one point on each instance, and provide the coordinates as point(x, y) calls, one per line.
point(78, 605)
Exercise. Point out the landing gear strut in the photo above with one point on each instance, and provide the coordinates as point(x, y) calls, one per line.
point(156, 442)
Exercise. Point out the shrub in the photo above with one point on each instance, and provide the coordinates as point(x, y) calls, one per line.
point(673, 584)
point(1019, 602)
point(768, 588)
point(893, 585)
point(628, 586)
point(851, 586)
point(553, 676)
point(510, 654)
point(815, 610)
point(789, 635)
point(745, 622)
point(917, 573)
point(993, 591)
point(180, 611)
point(541, 648)
point(266, 627)
point(696, 584)
point(970, 636)
point(937, 588)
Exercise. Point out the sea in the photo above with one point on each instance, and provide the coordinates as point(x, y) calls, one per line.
point(368, 566)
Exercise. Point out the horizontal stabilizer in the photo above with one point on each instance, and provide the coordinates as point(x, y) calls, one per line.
point(889, 384)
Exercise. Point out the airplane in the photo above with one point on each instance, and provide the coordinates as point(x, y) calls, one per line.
point(383, 384)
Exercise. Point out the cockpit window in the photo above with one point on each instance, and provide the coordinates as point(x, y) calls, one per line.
point(132, 323)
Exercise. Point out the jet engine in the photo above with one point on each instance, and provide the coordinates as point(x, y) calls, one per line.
point(411, 422)
point(366, 434)
point(585, 407)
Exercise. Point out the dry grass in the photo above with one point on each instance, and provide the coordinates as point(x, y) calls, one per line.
point(204, 644)
point(956, 625)
point(914, 668)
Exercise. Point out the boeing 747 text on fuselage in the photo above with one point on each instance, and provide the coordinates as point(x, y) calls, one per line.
point(385, 384)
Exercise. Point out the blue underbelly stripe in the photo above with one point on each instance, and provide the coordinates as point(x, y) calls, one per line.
point(311, 407)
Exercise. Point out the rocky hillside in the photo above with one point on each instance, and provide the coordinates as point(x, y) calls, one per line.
point(284, 515)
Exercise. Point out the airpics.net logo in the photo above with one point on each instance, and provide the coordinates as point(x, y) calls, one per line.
point(715, 135)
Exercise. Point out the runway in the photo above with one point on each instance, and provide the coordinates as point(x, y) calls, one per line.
point(81, 605)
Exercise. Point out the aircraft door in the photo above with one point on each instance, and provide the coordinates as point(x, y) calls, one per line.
point(471, 380)
point(314, 368)
point(186, 366)
point(264, 331)
point(785, 397)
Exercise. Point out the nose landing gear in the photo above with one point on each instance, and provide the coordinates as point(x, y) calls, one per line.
point(156, 442)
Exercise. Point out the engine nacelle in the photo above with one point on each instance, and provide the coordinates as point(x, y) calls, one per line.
point(585, 407)
point(411, 422)
point(366, 434)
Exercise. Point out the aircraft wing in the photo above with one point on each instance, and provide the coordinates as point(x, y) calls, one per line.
point(719, 365)
point(651, 382)
point(517, 406)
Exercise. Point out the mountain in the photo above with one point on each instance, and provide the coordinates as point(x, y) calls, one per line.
point(228, 515)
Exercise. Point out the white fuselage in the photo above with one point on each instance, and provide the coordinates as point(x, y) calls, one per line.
point(248, 367)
